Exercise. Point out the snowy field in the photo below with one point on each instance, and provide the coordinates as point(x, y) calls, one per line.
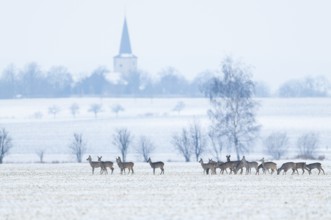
point(32, 128)
point(61, 189)
point(70, 191)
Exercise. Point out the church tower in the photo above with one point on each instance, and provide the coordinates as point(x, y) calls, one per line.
point(125, 62)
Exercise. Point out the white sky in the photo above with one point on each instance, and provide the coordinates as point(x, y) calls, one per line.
point(281, 39)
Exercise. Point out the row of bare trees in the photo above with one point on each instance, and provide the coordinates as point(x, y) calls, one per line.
point(74, 109)
point(97, 108)
point(194, 142)
point(190, 142)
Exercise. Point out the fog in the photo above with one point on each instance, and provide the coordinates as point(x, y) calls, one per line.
point(280, 40)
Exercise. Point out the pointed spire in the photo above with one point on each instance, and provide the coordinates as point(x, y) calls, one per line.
point(125, 47)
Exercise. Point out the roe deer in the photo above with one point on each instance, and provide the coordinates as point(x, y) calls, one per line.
point(155, 165)
point(123, 165)
point(266, 166)
point(312, 166)
point(94, 164)
point(105, 164)
point(102, 166)
point(223, 167)
point(286, 166)
point(248, 165)
point(241, 165)
point(232, 164)
point(251, 165)
point(300, 165)
point(207, 166)
point(217, 165)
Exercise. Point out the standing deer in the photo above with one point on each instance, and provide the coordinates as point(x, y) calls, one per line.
point(286, 167)
point(232, 164)
point(105, 164)
point(248, 165)
point(155, 165)
point(207, 166)
point(102, 166)
point(217, 165)
point(241, 165)
point(251, 165)
point(266, 166)
point(312, 166)
point(124, 165)
point(300, 165)
point(94, 164)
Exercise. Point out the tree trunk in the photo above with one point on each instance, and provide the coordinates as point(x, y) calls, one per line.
point(237, 148)
point(123, 156)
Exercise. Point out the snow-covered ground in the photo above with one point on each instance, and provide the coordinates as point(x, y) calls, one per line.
point(70, 191)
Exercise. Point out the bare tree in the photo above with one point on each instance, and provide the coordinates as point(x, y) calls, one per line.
point(276, 144)
point(182, 144)
point(95, 108)
point(54, 110)
point(122, 139)
point(307, 145)
point(198, 140)
point(117, 108)
point(40, 153)
point(74, 109)
point(233, 108)
point(78, 147)
point(5, 144)
point(145, 147)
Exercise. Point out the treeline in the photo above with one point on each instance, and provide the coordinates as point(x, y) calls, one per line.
point(58, 81)
point(32, 82)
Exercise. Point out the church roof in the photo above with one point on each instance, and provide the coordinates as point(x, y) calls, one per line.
point(125, 47)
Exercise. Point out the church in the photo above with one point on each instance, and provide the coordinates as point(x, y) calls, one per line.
point(125, 62)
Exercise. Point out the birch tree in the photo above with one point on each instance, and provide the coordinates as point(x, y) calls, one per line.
point(233, 109)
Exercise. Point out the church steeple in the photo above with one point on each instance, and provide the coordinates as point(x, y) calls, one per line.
point(125, 62)
point(125, 47)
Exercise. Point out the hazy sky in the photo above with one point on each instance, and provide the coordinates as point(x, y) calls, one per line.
point(281, 39)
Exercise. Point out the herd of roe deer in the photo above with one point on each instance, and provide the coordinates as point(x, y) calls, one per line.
point(270, 167)
point(212, 166)
point(122, 165)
